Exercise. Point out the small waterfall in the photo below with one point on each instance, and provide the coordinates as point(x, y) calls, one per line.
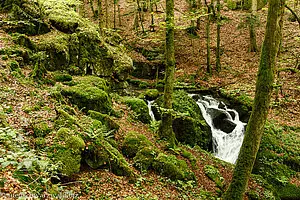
point(226, 145)
point(149, 103)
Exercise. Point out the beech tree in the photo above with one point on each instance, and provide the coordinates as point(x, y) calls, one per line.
point(166, 130)
point(264, 88)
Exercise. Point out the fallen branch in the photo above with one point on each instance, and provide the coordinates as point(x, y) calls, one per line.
point(293, 70)
point(293, 13)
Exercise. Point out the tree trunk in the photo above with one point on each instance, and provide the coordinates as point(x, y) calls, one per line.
point(166, 130)
point(208, 66)
point(115, 13)
point(218, 54)
point(252, 31)
point(106, 13)
point(100, 16)
point(264, 87)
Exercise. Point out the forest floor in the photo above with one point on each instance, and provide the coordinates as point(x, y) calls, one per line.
point(239, 68)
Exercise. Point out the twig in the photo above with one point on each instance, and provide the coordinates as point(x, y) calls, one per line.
point(293, 13)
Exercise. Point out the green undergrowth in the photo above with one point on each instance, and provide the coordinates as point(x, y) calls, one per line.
point(278, 159)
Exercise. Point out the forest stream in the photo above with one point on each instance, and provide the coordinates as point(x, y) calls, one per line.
point(227, 129)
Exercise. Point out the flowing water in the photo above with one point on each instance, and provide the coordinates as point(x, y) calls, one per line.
point(226, 146)
point(149, 103)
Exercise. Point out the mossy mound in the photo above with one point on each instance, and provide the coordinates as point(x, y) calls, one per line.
point(172, 167)
point(41, 129)
point(214, 174)
point(68, 151)
point(88, 97)
point(105, 119)
point(189, 125)
point(133, 142)
point(78, 43)
point(150, 94)
point(102, 154)
point(62, 77)
point(140, 108)
point(145, 158)
point(278, 158)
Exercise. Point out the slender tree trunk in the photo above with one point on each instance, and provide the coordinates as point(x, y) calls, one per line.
point(115, 13)
point(264, 87)
point(106, 14)
point(92, 7)
point(218, 54)
point(119, 14)
point(208, 66)
point(166, 130)
point(100, 16)
point(252, 31)
point(152, 17)
point(140, 14)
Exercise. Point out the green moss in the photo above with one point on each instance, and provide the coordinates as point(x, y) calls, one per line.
point(289, 191)
point(189, 125)
point(23, 40)
point(4, 57)
point(60, 77)
point(133, 142)
point(40, 142)
point(75, 143)
point(140, 108)
point(172, 167)
point(189, 156)
point(93, 81)
point(105, 119)
point(41, 129)
point(150, 94)
point(68, 151)
point(64, 119)
point(145, 158)
point(89, 98)
point(214, 175)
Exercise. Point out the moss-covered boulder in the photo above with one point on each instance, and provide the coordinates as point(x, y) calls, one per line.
point(151, 94)
point(68, 151)
point(105, 119)
point(133, 142)
point(88, 97)
point(172, 167)
point(140, 108)
point(78, 43)
point(189, 125)
point(145, 158)
point(101, 153)
point(41, 129)
point(3, 119)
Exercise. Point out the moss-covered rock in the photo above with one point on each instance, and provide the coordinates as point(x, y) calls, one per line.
point(102, 154)
point(89, 98)
point(189, 125)
point(140, 108)
point(145, 157)
point(214, 174)
point(78, 43)
point(133, 142)
point(41, 129)
point(68, 151)
point(105, 119)
point(172, 167)
point(62, 77)
point(150, 94)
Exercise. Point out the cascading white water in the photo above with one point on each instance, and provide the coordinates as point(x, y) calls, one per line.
point(149, 103)
point(226, 146)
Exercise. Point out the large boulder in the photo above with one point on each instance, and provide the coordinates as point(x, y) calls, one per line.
point(78, 43)
point(189, 125)
point(221, 120)
point(68, 151)
point(140, 108)
point(89, 94)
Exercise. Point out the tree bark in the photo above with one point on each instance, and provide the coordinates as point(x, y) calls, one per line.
point(252, 31)
point(218, 54)
point(264, 87)
point(166, 130)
